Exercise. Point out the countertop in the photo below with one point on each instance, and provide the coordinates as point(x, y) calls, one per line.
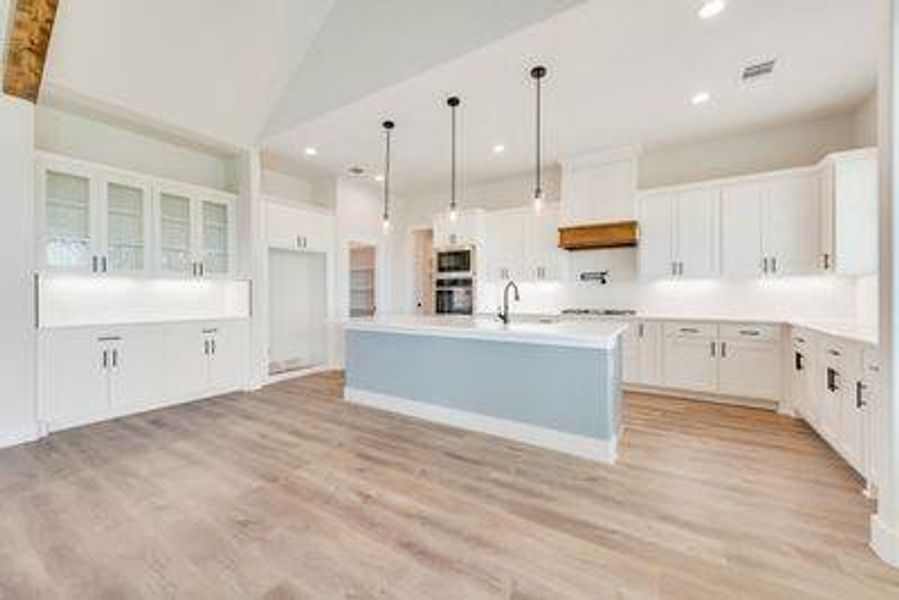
point(598, 334)
point(864, 333)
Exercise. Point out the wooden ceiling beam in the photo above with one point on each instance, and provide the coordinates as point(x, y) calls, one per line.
point(28, 42)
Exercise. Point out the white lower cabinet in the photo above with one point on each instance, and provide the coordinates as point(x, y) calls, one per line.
point(737, 360)
point(835, 388)
point(88, 374)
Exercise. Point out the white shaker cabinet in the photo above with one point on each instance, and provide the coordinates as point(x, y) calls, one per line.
point(542, 256)
point(690, 357)
point(789, 237)
point(293, 228)
point(468, 229)
point(742, 225)
point(73, 382)
point(522, 244)
point(679, 234)
point(749, 361)
point(136, 368)
point(849, 205)
point(505, 245)
point(643, 353)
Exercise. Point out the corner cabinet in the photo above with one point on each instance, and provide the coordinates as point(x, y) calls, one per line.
point(97, 220)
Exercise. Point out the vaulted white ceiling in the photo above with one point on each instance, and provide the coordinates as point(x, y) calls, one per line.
point(225, 69)
point(620, 73)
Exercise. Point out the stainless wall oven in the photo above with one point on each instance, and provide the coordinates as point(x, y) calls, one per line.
point(454, 295)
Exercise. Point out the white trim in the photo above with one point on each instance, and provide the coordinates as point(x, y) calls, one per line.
point(569, 443)
point(703, 397)
point(885, 541)
point(296, 373)
point(14, 438)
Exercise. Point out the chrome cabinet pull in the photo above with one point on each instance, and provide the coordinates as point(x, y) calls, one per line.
point(115, 357)
point(723, 349)
point(206, 347)
point(105, 359)
point(712, 349)
point(94, 260)
point(104, 264)
point(750, 332)
point(765, 265)
point(689, 330)
point(833, 352)
point(774, 264)
point(212, 345)
point(860, 395)
point(826, 261)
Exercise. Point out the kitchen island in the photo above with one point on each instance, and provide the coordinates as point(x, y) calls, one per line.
point(555, 385)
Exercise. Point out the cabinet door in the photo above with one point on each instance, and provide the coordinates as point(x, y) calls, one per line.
point(690, 364)
point(630, 354)
point(68, 217)
point(186, 361)
point(656, 248)
point(136, 369)
point(696, 242)
point(852, 418)
point(853, 224)
point(749, 369)
point(651, 350)
point(175, 230)
point(227, 356)
point(126, 220)
point(73, 375)
point(506, 245)
point(827, 206)
point(791, 233)
point(835, 388)
point(541, 245)
point(216, 241)
point(741, 230)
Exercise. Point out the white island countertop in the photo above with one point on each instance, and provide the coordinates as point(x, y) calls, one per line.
point(601, 335)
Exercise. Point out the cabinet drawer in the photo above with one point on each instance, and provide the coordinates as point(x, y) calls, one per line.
point(689, 329)
point(750, 332)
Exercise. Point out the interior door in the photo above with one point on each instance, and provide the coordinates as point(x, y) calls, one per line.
point(74, 383)
point(741, 230)
point(697, 233)
point(791, 232)
point(656, 248)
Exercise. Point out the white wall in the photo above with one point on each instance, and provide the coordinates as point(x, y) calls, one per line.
point(866, 123)
point(793, 144)
point(17, 334)
point(93, 140)
point(281, 186)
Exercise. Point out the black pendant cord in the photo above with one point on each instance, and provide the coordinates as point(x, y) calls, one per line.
point(538, 73)
point(453, 103)
point(388, 126)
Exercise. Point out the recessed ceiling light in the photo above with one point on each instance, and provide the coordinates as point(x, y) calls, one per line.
point(499, 149)
point(711, 8)
point(310, 151)
point(700, 98)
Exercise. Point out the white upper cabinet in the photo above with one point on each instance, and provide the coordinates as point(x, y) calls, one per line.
point(849, 193)
point(741, 230)
point(657, 235)
point(196, 231)
point(789, 235)
point(94, 219)
point(468, 229)
point(295, 228)
point(523, 244)
point(679, 234)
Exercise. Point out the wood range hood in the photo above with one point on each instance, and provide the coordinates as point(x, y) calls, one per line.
point(619, 234)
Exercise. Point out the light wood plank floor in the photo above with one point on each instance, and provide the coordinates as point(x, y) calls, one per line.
point(287, 493)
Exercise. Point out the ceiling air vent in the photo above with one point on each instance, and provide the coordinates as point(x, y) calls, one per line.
point(757, 70)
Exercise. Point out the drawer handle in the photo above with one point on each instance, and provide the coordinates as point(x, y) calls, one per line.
point(689, 330)
point(750, 332)
point(833, 352)
point(799, 340)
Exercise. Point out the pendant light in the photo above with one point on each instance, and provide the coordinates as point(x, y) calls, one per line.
point(388, 127)
point(537, 74)
point(453, 102)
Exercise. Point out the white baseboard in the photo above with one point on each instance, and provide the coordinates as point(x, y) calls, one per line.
point(701, 397)
point(569, 443)
point(14, 438)
point(885, 541)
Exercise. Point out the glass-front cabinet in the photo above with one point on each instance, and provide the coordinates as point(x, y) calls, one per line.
point(96, 220)
point(196, 232)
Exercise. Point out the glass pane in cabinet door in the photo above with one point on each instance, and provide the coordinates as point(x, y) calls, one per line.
point(126, 227)
point(215, 237)
point(174, 233)
point(68, 221)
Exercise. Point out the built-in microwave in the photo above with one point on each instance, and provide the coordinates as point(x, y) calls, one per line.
point(454, 261)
